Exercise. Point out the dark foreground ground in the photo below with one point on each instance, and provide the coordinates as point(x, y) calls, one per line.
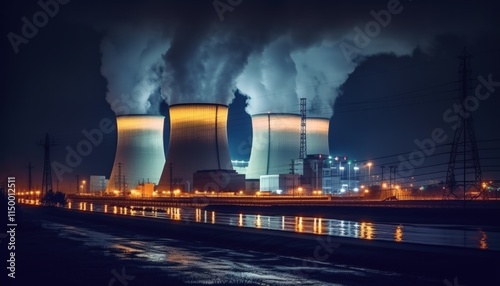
point(44, 258)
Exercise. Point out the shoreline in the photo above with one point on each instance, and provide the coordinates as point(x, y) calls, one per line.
point(434, 262)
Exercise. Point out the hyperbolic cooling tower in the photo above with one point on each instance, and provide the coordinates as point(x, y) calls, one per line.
point(317, 135)
point(275, 142)
point(139, 152)
point(198, 141)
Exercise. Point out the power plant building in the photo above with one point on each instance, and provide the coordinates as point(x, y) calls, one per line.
point(317, 135)
point(275, 142)
point(140, 154)
point(280, 184)
point(198, 142)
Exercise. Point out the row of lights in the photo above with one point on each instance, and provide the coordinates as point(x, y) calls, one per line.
point(30, 193)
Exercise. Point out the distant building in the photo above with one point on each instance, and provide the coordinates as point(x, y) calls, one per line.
point(340, 176)
point(280, 184)
point(145, 190)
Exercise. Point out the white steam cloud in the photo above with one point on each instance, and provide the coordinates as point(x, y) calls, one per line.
point(132, 63)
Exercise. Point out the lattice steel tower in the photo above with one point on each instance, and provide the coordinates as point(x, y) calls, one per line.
point(464, 170)
point(47, 171)
point(303, 136)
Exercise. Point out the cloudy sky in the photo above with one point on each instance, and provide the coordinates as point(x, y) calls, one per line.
point(385, 72)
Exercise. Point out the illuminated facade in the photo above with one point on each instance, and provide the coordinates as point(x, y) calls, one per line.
point(275, 142)
point(198, 141)
point(139, 152)
point(317, 135)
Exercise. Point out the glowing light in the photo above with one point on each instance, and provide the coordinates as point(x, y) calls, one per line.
point(398, 235)
point(483, 244)
point(366, 230)
point(258, 222)
point(299, 226)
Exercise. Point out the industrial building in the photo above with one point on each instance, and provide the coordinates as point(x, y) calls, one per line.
point(275, 142)
point(281, 184)
point(340, 176)
point(140, 153)
point(317, 136)
point(198, 142)
point(276, 150)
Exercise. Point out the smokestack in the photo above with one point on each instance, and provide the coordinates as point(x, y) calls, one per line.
point(139, 152)
point(317, 135)
point(276, 141)
point(198, 141)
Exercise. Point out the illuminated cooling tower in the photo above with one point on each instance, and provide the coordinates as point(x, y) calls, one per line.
point(198, 141)
point(317, 135)
point(275, 142)
point(139, 152)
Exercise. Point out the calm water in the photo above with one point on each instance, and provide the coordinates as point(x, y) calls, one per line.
point(448, 235)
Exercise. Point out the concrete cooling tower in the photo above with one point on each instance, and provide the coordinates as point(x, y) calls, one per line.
point(198, 141)
point(317, 135)
point(275, 142)
point(139, 152)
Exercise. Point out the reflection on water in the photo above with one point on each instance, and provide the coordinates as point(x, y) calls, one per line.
point(398, 235)
point(366, 230)
point(28, 201)
point(198, 215)
point(482, 241)
point(424, 234)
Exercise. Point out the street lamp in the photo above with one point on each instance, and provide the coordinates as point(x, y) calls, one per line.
point(83, 186)
point(349, 178)
point(356, 178)
point(369, 164)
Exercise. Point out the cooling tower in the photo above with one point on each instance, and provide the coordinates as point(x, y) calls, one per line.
point(198, 141)
point(139, 152)
point(275, 142)
point(317, 135)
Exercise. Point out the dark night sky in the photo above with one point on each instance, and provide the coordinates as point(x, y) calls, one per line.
point(394, 93)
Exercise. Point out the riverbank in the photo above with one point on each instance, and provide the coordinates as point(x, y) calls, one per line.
point(43, 254)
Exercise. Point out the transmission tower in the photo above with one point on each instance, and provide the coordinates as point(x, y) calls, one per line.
point(464, 173)
point(47, 171)
point(303, 141)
